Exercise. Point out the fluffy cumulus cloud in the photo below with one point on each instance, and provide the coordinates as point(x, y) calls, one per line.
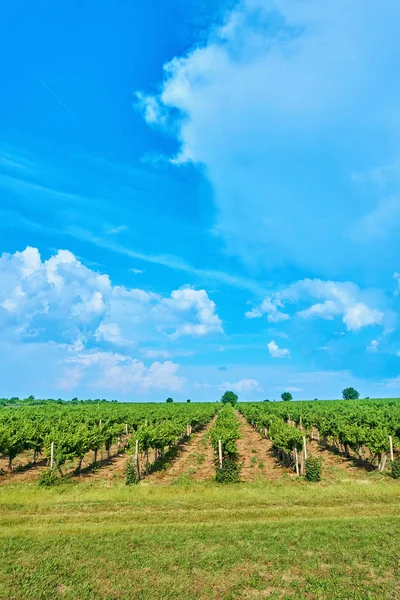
point(357, 308)
point(269, 307)
point(60, 300)
point(260, 104)
point(119, 372)
point(277, 352)
point(244, 386)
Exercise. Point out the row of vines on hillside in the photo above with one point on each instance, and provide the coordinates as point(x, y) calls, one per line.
point(224, 435)
point(366, 430)
point(66, 434)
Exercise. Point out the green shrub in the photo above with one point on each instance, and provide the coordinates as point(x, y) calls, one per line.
point(131, 476)
point(229, 472)
point(396, 468)
point(313, 468)
point(48, 478)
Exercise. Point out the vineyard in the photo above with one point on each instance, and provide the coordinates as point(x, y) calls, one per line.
point(368, 431)
point(66, 436)
point(70, 438)
point(164, 501)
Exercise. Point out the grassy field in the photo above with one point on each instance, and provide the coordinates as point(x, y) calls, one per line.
point(287, 539)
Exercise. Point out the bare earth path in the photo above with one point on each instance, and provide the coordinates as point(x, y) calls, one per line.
point(259, 462)
point(195, 460)
point(337, 466)
point(256, 455)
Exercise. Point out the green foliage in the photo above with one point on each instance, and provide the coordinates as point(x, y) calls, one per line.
point(75, 428)
point(229, 397)
point(131, 475)
point(48, 478)
point(286, 396)
point(313, 468)
point(169, 400)
point(351, 425)
point(226, 429)
point(229, 472)
point(188, 400)
point(350, 393)
point(396, 468)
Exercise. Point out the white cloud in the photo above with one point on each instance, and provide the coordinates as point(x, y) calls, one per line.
point(157, 353)
point(270, 308)
point(62, 300)
point(244, 386)
point(118, 229)
point(137, 271)
point(114, 371)
point(109, 332)
point(187, 299)
point(357, 308)
point(70, 379)
point(264, 96)
point(382, 220)
point(373, 346)
point(393, 382)
point(321, 310)
point(294, 389)
point(277, 352)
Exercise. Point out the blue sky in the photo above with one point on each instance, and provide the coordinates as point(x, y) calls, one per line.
point(197, 196)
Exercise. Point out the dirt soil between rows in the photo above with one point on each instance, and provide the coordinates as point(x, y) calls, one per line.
point(256, 455)
point(195, 461)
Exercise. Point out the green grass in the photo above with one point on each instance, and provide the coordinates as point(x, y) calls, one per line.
point(200, 541)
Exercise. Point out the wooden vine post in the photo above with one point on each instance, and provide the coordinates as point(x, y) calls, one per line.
point(296, 459)
point(383, 462)
point(220, 453)
point(303, 456)
point(51, 455)
point(391, 448)
point(136, 460)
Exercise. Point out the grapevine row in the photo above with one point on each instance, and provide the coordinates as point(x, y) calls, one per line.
point(368, 429)
point(66, 433)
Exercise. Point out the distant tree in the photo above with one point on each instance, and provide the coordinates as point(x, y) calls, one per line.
point(286, 396)
point(229, 398)
point(169, 400)
point(188, 400)
point(316, 399)
point(266, 400)
point(350, 393)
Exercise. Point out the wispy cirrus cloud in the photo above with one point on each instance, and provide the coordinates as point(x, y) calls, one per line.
point(168, 261)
